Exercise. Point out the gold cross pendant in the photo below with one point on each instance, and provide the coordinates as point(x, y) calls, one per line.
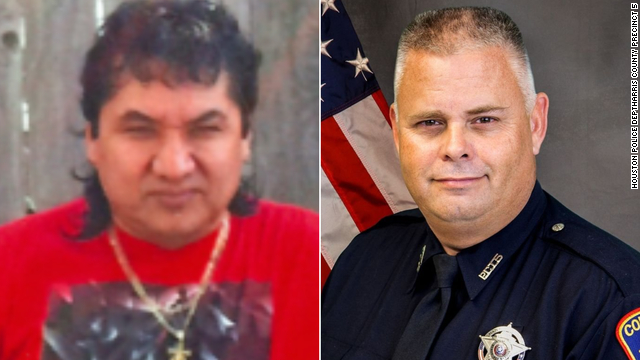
point(179, 352)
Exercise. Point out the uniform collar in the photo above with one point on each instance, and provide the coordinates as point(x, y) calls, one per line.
point(500, 246)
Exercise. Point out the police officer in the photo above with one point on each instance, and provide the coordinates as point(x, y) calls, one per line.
point(489, 266)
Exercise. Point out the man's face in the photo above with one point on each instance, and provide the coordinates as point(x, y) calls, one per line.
point(466, 144)
point(169, 159)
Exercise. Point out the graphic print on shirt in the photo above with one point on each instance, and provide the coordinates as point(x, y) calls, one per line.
point(109, 321)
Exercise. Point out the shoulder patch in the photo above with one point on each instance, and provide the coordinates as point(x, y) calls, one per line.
point(628, 334)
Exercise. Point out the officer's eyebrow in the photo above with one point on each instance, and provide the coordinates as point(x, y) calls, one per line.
point(426, 115)
point(437, 114)
point(486, 109)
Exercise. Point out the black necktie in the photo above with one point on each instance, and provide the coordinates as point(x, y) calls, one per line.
point(428, 316)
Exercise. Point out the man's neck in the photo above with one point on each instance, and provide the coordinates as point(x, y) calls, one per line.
point(456, 236)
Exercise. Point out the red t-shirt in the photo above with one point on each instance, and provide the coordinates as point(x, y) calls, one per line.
point(63, 298)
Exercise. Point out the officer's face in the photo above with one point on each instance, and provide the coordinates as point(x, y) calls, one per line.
point(169, 159)
point(464, 139)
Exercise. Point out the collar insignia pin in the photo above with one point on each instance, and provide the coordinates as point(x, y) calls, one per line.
point(484, 275)
point(502, 343)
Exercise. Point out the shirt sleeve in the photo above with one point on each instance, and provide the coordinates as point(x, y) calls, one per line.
point(617, 337)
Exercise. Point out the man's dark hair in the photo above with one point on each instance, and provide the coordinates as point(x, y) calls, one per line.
point(176, 42)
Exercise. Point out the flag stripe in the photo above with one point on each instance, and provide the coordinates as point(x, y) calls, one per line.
point(338, 228)
point(382, 105)
point(369, 135)
point(324, 271)
point(350, 178)
point(361, 180)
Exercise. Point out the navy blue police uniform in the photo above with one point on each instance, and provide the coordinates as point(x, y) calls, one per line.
point(568, 290)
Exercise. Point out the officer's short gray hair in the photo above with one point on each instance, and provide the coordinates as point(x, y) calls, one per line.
point(452, 30)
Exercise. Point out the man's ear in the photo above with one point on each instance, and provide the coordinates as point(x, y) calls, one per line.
point(393, 115)
point(538, 121)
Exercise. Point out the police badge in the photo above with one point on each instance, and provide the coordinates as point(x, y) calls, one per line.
point(502, 343)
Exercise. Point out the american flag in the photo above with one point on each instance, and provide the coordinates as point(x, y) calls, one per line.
point(360, 181)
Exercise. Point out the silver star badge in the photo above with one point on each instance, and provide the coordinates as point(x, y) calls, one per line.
point(502, 343)
point(361, 65)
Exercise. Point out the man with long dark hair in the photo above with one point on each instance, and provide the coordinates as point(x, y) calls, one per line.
point(166, 257)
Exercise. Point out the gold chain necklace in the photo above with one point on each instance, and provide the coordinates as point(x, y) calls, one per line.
point(179, 352)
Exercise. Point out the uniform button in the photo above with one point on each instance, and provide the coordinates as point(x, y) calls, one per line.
point(557, 227)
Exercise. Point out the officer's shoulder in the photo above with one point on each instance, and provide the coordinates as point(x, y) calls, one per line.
point(390, 234)
point(395, 224)
point(406, 217)
point(578, 237)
